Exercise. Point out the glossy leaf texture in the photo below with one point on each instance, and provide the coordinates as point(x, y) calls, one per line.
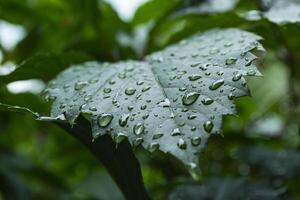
point(172, 101)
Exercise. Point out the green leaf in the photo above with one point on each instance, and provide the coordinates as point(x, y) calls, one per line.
point(173, 101)
point(269, 162)
point(282, 11)
point(152, 11)
point(208, 6)
point(44, 66)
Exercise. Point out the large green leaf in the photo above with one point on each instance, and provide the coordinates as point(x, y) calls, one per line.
point(173, 101)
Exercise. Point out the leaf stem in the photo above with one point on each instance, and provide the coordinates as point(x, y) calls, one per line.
point(120, 161)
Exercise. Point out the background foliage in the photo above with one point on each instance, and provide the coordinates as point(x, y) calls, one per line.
point(258, 157)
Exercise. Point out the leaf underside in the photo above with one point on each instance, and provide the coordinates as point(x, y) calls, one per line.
point(171, 101)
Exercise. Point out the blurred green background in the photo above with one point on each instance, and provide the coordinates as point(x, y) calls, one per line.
point(258, 157)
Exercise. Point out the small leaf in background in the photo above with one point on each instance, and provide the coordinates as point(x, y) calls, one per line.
point(274, 163)
point(282, 11)
point(173, 101)
point(207, 7)
point(227, 188)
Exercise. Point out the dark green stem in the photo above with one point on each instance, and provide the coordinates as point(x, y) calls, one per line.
point(120, 162)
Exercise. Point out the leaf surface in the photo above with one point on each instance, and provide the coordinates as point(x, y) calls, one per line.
point(173, 101)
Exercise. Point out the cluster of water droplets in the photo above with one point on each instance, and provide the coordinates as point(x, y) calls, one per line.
point(173, 103)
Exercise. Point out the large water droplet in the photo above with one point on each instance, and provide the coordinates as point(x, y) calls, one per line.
point(181, 144)
point(215, 85)
point(123, 120)
point(190, 98)
point(208, 126)
point(194, 77)
point(138, 128)
point(104, 120)
point(130, 91)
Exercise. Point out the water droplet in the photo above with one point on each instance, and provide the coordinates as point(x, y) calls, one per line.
point(157, 135)
point(208, 126)
point(220, 73)
point(137, 142)
point(123, 120)
point(111, 82)
point(190, 117)
point(214, 51)
point(107, 90)
point(207, 101)
point(215, 85)
point(181, 144)
point(93, 109)
point(182, 89)
point(104, 120)
point(140, 82)
point(130, 108)
point(237, 77)
point(165, 103)
point(230, 61)
point(80, 85)
point(153, 147)
point(190, 98)
point(87, 97)
point(130, 91)
point(146, 89)
point(143, 107)
point(229, 44)
point(145, 116)
point(176, 132)
point(138, 128)
point(231, 96)
point(120, 137)
point(195, 64)
point(194, 77)
point(122, 76)
point(196, 141)
point(251, 72)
